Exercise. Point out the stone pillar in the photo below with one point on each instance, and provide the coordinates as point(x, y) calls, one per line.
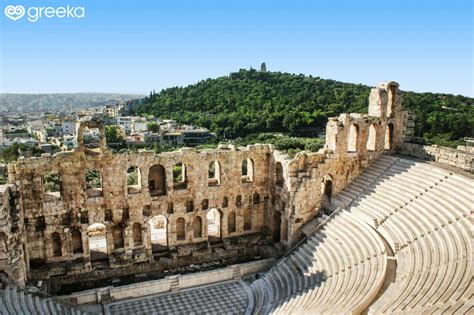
point(378, 102)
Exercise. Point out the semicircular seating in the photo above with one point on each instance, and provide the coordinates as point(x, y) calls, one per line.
point(16, 302)
point(340, 268)
point(425, 214)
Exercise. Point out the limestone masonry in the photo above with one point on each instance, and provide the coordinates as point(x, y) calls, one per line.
point(62, 216)
point(350, 229)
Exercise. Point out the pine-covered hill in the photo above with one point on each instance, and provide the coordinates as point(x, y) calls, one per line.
point(249, 102)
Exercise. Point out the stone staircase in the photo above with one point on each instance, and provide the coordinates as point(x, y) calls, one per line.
point(425, 214)
point(331, 271)
point(421, 212)
point(16, 302)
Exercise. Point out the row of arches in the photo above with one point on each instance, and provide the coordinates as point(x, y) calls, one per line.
point(353, 137)
point(97, 233)
point(157, 176)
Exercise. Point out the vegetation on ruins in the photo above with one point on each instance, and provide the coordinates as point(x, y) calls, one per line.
point(283, 142)
point(132, 176)
point(51, 182)
point(252, 102)
point(13, 152)
point(93, 179)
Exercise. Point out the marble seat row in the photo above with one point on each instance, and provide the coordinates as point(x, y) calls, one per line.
point(15, 302)
point(424, 213)
point(341, 266)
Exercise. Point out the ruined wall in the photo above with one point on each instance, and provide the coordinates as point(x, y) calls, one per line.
point(352, 142)
point(258, 194)
point(12, 264)
point(120, 207)
point(462, 157)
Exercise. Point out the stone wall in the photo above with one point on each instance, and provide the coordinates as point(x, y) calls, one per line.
point(352, 142)
point(462, 157)
point(12, 239)
point(256, 195)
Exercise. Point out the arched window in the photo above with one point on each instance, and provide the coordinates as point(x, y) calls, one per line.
point(247, 170)
point(388, 145)
point(231, 222)
point(352, 138)
point(134, 180)
point(159, 233)
point(238, 201)
point(180, 229)
point(213, 223)
point(279, 174)
point(247, 219)
point(256, 198)
point(157, 180)
point(57, 245)
point(372, 138)
point(179, 176)
point(137, 234)
point(94, 183)
point(214, 173)
point(197, 227)
point(117, 233)
point(51, 182)
point(326, 193)
point(76, 237)
point(97, 241)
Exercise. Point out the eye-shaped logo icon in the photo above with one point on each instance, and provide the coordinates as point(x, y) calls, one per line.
point(14, 12)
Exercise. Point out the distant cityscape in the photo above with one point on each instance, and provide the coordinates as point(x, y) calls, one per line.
point(52, 131)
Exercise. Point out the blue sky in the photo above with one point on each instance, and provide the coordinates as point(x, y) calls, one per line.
point(135, 46)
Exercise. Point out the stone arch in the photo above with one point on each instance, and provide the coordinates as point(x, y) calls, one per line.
point(392, 89)
point(57, 244)
point(247, 219)
point(117, 233)
point(372, 138)
point(97, 233)
point(51, 182)
point(157, 180)
point(231, 224)
point(214, 223)
point(388, 143)
point(134, 179)
point(159, 233)
point(247, 170)
point(326, 192)
point(179, 176)
point(180, 229)
point(197, 227)
point(76, 240)
point(353, 138)
point(91, 123)
point(276, 226)
point(279, 174)
point(93, 179)
point(214, 173)
point(137, 234)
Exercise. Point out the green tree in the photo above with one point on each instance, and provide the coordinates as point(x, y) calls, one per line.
point(249, 101)
point(114, 135)
point(153, 127)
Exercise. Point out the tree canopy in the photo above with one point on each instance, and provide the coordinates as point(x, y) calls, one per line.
point(251, 102)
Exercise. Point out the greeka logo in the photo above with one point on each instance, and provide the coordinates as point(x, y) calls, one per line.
point(16, 12)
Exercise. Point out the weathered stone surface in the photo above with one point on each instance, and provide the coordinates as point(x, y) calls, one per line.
point(273, 195)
